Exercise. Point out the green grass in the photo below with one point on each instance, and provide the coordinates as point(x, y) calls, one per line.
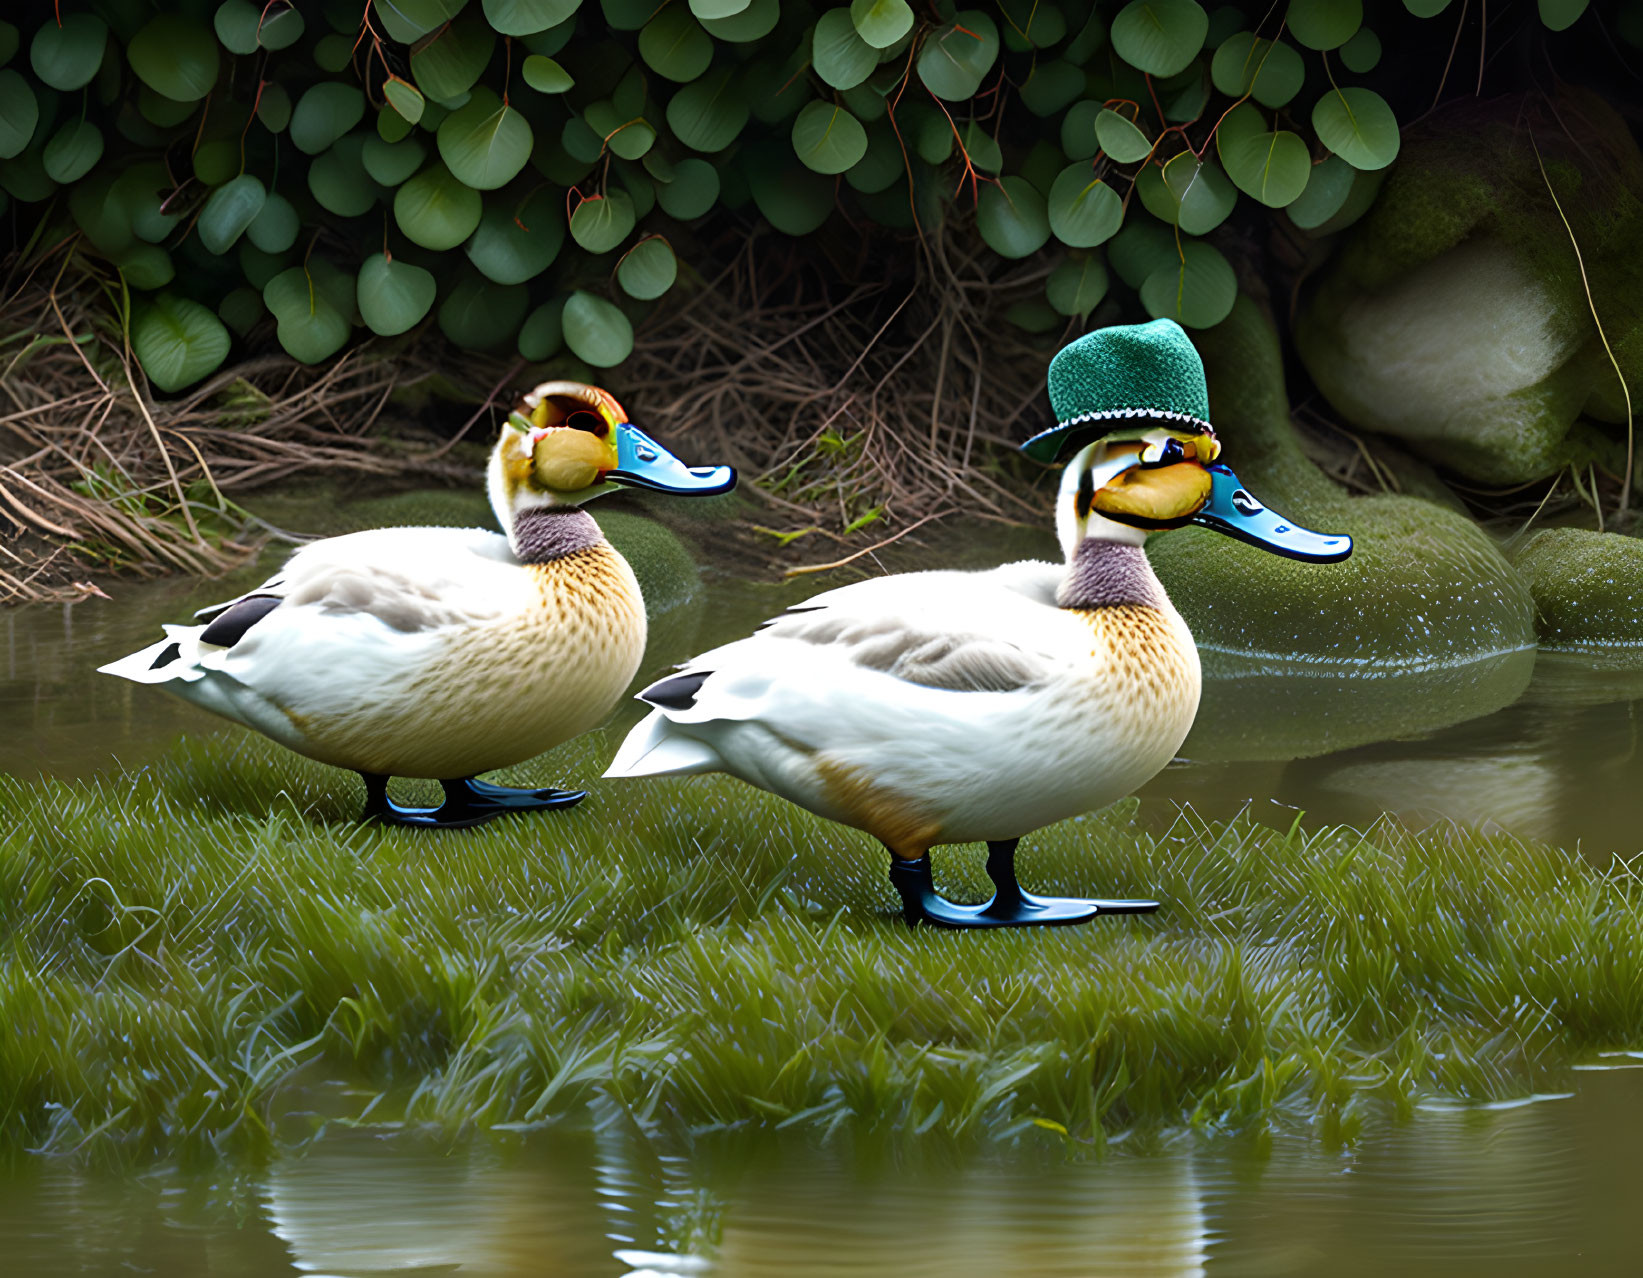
point(183, 943)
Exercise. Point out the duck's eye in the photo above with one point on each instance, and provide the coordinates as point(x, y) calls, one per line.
point(1169, 453)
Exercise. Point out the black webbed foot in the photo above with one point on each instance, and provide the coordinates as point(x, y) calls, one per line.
point(1010, 906)
point(467, 802)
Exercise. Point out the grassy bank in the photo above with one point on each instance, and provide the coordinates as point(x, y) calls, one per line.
point(183, 941)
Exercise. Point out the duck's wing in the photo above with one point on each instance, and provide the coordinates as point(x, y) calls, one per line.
point(914, 659)
point(998, 631)
point(408, 579)
point(960, 631)
point(367, 596)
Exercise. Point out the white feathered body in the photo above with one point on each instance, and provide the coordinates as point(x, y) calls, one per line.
point(939, 707)
point(418, 652)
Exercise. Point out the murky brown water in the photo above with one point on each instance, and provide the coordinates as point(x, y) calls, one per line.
point(1544, 1188)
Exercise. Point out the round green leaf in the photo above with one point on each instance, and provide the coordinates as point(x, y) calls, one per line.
point(324, 113)
point(1327, 186)
point(1361, 52)
point(674, 45)
point(275, 228)
point(435, 210)
point(708, 114)
point(390, 163)
point(177, 341)
point(407, 21)
point(1357, 125)
point(983, 150)
point(334, 52)
point(1121, 139)
point(274, 108)
point(1142, 247)
point(1196, 292)
point(840, 56)
point(19, 113)
point(828, 138)
point(1426, 8)
point(692, 192)
point(10, 40)
point(241, 309)
point(1272, 167)
point(515, 242)
point(792, 198)
point(232, 208)
point(1077, 286)
point(881, 22)
point(485, 146)
point(1159, 37)
point(217, 159)
point(1053, 86)
point(1557, 15)
point(311, 326)
point(545, 75)
point(405, 98)
point(543, 332)
point(883, 165)
point(1034, 316)
point(601, 223)
point(101, 214)
point(280, 28)
point(755, 22)
point(1078, 140)
point(68, 56)
point(72, 151)
point(141, 192)
point(146, 266)
point(1196, 197)
point(1225, 21)
point(338, 180)
point(717, 8)
point(1084, 211)
point(955, 57)
point(627, 136)
point(1272, 73)
point(243, 26)
point(177, 58)
point(1012, 217)
point(629, 15)
point(446, 66)
point(596, 331)
point(527, 17)
point(648, 269)
point(1324, 24)
point(393, 296)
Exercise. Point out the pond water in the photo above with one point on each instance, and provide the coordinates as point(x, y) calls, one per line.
point(1536, 1189)
point(1546, 748)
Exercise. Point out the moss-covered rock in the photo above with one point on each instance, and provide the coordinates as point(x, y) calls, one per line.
point(1426, 624)
point(1587, 588)
point(1456, 316)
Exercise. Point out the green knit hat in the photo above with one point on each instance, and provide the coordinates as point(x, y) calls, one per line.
point(1129, 374)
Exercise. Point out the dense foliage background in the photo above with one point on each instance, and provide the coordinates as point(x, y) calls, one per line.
point(527, 173)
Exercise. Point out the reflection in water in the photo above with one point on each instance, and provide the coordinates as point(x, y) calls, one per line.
point(1546, 1188)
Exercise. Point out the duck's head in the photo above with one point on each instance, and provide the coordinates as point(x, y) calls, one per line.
point(568, 442)
point(1139, 480)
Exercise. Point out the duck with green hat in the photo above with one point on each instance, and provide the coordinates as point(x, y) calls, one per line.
point(975, 707)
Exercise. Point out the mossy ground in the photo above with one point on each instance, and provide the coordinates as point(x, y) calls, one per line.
point(184, 942)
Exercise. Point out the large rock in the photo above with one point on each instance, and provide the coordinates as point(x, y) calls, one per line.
point(1456, 316)
point(1588, 590)
point(1426, 624)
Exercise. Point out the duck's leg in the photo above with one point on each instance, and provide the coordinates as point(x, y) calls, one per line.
point(467, 802)
point(1010, 906)
point(1009, 900)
